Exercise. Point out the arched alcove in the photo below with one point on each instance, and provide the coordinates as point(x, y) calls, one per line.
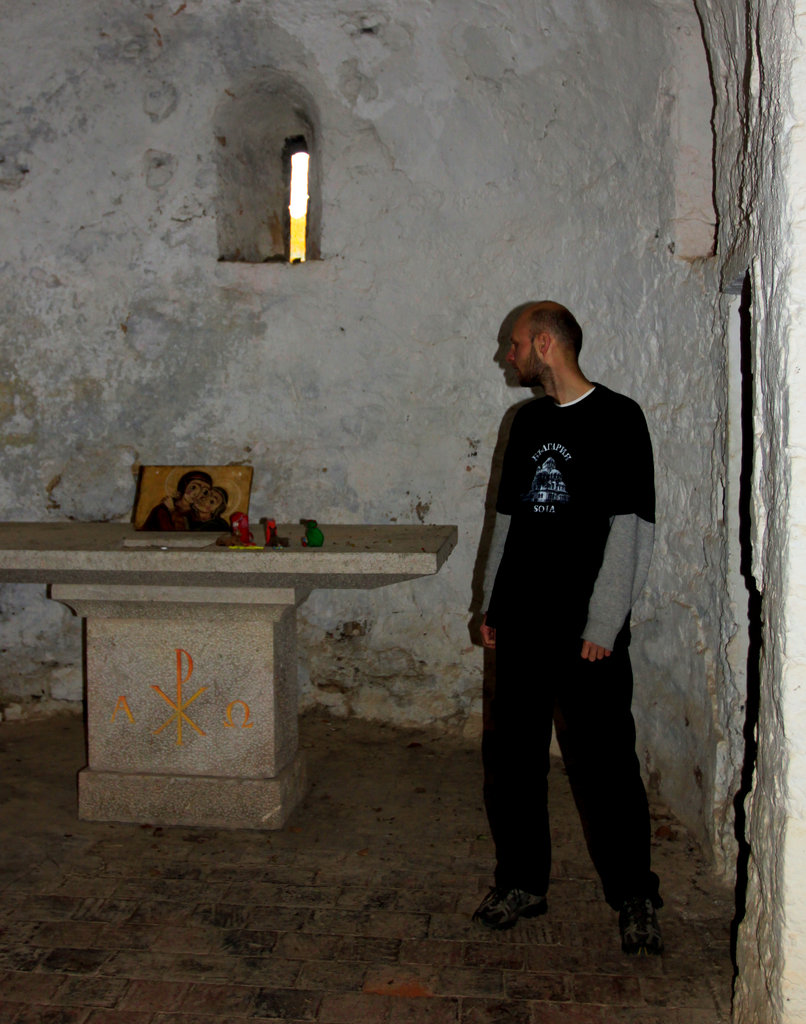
point(259, 123)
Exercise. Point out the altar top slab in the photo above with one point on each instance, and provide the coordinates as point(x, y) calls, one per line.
point(353, 556)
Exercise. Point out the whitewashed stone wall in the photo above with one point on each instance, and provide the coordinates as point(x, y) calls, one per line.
point(761, 155)
point(788, 366)
point(473, 156)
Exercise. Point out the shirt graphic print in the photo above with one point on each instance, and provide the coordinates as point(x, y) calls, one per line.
point(548, 486)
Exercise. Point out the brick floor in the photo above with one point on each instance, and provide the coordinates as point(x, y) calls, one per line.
point(357, 912)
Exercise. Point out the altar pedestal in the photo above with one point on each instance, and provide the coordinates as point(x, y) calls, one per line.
point(191, 658)
point(191, 704)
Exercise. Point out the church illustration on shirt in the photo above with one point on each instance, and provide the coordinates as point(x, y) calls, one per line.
point(548, 485)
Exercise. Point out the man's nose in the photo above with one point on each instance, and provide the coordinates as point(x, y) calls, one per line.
point(510, 356)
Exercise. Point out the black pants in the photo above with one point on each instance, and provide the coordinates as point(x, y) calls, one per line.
point(592, 701)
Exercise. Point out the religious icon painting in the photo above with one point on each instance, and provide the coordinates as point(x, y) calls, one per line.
point(191, 497)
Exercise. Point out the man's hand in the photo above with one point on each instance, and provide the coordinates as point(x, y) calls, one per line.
point(590, 652)
point(487, 635)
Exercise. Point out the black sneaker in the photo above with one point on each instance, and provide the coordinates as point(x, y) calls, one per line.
point(501, 908)
point(638, 924)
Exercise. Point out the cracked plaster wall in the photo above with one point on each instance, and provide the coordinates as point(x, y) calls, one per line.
point(472, 156)
point(757, 56)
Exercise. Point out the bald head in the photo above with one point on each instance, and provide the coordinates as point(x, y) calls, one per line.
point(557, 320)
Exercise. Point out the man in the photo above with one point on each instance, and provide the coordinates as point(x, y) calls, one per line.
point(570, 553)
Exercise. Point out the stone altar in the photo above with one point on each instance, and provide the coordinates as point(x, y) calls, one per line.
point(191, 690)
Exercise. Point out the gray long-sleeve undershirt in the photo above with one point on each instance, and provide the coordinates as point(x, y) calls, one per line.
point(621, 577)
point(494, 555)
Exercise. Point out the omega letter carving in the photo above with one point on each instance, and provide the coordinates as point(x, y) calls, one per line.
point(245, 724)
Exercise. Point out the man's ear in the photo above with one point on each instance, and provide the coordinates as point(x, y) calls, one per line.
point(543, 343)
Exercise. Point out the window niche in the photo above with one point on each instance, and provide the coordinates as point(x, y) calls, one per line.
point(259, 128)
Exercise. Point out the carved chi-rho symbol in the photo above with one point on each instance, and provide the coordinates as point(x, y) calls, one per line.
point(179, 707)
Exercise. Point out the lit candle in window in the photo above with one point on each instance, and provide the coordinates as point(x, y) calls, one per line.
point(298, 205)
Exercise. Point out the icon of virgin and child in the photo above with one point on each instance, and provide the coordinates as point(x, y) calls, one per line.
point(197, 503)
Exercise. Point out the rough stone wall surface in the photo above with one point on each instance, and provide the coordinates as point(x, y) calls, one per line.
point(472, 156)
point(760, 85)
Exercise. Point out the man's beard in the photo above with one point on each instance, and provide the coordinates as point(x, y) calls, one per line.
point(534, 373)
